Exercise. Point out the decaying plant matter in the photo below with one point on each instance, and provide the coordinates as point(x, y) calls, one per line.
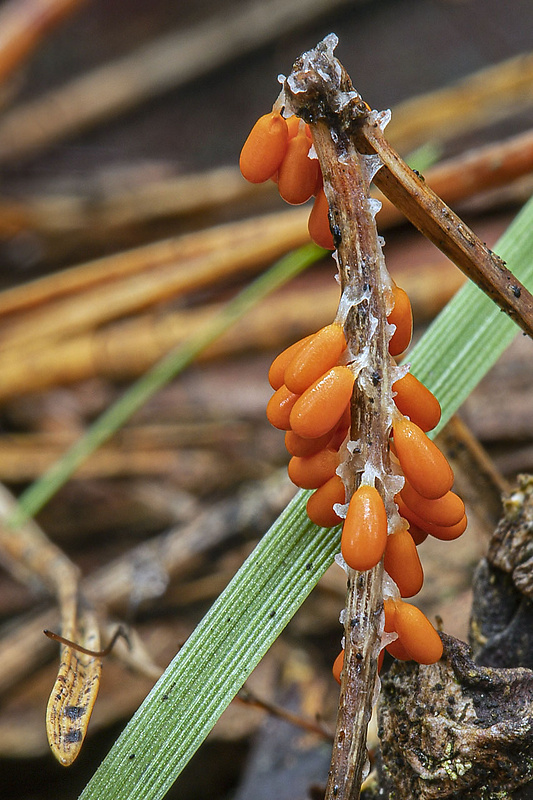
point(456, 728)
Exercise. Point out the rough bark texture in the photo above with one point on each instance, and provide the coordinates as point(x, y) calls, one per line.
point(457, 729)
point(502, 614)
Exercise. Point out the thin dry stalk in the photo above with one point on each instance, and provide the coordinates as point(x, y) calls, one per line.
point(316, 90)
point(443, 227)
point(472, 173)
point(249, 698)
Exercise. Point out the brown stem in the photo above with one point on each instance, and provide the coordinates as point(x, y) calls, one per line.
point(120, 632)
point(247, 697)
point(316, 90)
point(409, 192)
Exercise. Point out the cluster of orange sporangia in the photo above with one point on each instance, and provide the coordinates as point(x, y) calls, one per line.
point(278, 149)
point(313, 384)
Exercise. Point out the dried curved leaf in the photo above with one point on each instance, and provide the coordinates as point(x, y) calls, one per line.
point(75, 690)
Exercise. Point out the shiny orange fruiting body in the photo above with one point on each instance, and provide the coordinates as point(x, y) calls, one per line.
point(313, 471)
point(401, 316)
point(415, 401)
point(297, 174)
point(422, 463)
point(444, 511)
point(298, 446)
point(318, 224)
point(294, 124)
point(338, 664)
point(389, 608)
point(364, 533)
point(320, 504)
point(276, 373)
point(279, 408)
point(317, 355)
point(322, 405)
point(418, 536)
point(417, 634)
point(265, 148)
point(444, 532)
point(397, 650)
point(402, 563)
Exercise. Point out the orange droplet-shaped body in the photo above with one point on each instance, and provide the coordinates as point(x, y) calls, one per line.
point(298, 446)
point(364, 533)
point(293, 125)
point(322, 405)
point(402, 563)
point(276, 373)
point(422, 463)
point(401, 316)
point(338, 664)
point(320, 504)
point(415, 401)
point(397, 650)
point(445, 511)
point(316, 356)
point(417, 634)
point(444, 532)
point(417, 534)
point(341, 429)
point(279, 408)
point(318, 224)
point(389, 607)
point(313, 471)
point(298, 174)
point(265, 148)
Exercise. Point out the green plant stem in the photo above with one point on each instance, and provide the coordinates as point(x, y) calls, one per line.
point(42, 490)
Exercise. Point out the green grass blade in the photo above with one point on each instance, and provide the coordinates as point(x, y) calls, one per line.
point(39, 493)
point(216, 660)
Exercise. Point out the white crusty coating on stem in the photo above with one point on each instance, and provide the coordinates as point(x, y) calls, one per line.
point(319, 91)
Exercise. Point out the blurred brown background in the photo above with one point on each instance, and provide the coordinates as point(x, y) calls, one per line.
point(100, 122)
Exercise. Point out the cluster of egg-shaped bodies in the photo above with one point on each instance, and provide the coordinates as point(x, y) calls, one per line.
point(313, 386)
